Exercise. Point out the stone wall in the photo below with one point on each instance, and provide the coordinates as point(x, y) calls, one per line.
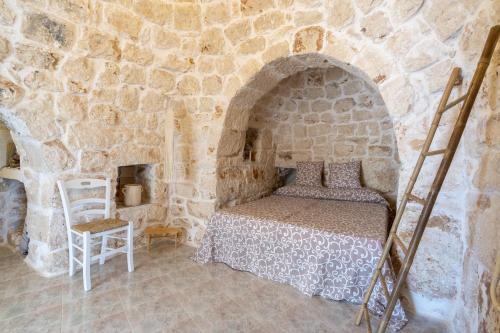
point(85, 86)
point(12, 211)
point(81, 95)
point(332, 116)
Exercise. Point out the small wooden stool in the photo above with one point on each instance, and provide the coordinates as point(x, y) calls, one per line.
point(161, 231)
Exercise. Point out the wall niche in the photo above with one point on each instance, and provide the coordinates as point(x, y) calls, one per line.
point(135, 174)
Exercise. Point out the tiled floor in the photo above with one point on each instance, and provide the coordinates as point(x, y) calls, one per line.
point(166, 293)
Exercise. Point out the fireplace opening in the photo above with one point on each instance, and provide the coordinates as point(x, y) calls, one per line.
point(13, 201)
point(127, 193)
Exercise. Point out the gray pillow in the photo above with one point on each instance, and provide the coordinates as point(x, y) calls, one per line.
point(344, 175)
point(309, 173)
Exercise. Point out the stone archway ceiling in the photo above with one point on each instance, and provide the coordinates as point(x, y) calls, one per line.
point(273, 73)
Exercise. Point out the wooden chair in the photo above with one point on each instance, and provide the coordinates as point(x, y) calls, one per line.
point(101, 229)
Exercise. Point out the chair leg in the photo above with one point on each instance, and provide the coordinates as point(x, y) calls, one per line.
point(71, 255)
point(104, 244)
point(86, 261)
point(130, 246)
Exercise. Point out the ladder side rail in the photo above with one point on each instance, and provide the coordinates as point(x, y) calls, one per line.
point(455, 76)
point(476, 82)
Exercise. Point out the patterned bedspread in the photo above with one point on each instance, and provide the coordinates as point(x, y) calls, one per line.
point(328, 248)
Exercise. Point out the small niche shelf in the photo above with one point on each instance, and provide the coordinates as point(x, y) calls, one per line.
point(134, 174)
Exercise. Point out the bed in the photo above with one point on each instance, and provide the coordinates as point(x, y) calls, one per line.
point(322, 241)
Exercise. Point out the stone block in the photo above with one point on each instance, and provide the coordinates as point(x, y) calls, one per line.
point(232, 143)
point(103, 114)
point(42, 79)
point(309, 40)
point(132, 74)
point(155, 11)
point(212, 85)
point(102, 138)
point(166, 39)
point(37, 57)
point(273, 52)
point(138, 55)
point(367, 5)
point(39, 113)
point(212, 41)
point(269, 21)
point(321, 105)
point(398, 96)
point(216, 12)
point(188, 85)
point(161, 79)
point(101, 45)
point(200, 209)
point(376, 25)
point(48, 30)
point(403, 10)
point(7, 15)
point(124, 21)
point(344, 104)
point(177, 64)
point(5, 48)
point(56, 156)
point(238, 31)
point(445, 17)
point(253, 7)
point(310, 17)
point(72, 107)
point(187, 17)
point(103, 95)
point(79, 69)
point(153, 102)
point(10, 93)
point(341, 13)
point(252, 46)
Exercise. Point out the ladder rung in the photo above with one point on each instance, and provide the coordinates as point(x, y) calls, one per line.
point(435, 152)
point(452, 104)
point(414, 198)
point(367, 319)
point(400, 244)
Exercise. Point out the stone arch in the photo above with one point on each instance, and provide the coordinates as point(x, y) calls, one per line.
point(43, 158)
point(238, 181)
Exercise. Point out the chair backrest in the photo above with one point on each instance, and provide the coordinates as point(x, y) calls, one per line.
point(84, 207)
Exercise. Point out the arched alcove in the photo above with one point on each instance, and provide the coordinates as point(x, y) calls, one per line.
point(304, 107)
point(34, 131)
point(12, 196)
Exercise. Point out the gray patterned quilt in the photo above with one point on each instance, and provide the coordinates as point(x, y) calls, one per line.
point(328, 248)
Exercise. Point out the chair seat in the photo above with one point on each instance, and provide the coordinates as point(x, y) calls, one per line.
point(99, 225)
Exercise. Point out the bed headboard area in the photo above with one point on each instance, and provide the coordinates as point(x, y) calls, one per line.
point(329, 115)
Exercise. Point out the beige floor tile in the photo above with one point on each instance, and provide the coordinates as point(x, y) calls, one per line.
point(91, 308)
point(45, 320)
point(168, 292)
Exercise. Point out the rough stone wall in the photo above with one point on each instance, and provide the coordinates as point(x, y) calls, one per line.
point(332, 116)
point(81, 95)
point(482, 232)
point(12, 211)
point(208, 63)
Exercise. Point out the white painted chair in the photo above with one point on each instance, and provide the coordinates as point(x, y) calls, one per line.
point(93, 231)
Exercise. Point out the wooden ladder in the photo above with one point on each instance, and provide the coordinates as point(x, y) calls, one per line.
point(427, 203)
